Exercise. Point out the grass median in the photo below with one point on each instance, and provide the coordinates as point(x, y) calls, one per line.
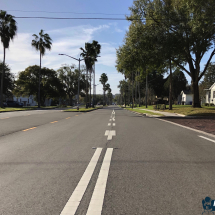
point(82, 109)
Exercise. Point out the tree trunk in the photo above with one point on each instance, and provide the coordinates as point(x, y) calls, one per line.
point(136, 89)
point(170, 85)
point(104, 96)
point(195, 86)
point(87, 89)
point(146, 89)
point(139, 91)
point(132, 90)
point(2, 78)
point(90, 87)
point(39, 83)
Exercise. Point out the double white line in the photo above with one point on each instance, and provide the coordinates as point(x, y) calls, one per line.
point(95, 207)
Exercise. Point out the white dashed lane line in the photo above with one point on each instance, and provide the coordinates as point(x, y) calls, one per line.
point(96, 202)
point(75, 199)
point(207, 139)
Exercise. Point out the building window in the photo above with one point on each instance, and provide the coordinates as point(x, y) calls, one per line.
point(209, 96)
point(28, 100)
point(213, 94)
point(183, 99)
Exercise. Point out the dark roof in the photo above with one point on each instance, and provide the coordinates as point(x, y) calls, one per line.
point(187, 91)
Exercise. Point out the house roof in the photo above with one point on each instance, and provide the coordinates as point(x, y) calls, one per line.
point(213, 85)
point(186, 92)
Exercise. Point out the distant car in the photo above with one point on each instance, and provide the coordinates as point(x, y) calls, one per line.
point(14, 104)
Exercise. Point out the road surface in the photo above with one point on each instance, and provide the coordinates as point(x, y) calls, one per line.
point(109, 161)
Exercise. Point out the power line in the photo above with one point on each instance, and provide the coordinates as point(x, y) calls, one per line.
point(97, 18)
point(41, 11)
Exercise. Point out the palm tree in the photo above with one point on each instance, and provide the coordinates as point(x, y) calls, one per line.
point(90, 54)
point(8, 30)
point(103, 79)
point(41, 43)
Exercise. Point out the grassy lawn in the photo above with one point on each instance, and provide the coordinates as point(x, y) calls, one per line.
point(8, 109)
point(143, 111)
point(188, 110)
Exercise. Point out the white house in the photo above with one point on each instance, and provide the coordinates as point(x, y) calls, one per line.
point(210, 94)
point(185, 97)
point(27, 101)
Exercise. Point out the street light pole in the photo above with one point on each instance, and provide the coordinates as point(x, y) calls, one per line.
point(79, 60)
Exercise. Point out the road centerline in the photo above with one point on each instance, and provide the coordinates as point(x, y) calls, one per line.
point(96, 202)
point(75, 199)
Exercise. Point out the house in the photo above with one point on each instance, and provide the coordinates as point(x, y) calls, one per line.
point(185, 97)
point(27, 101)
point(210, 95)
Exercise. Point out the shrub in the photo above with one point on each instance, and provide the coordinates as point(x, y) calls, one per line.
point(155, 107)
point(206, 104)
point(163, 107)
point(211, 104)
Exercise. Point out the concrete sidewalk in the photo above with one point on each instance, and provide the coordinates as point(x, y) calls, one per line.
point(164, 113)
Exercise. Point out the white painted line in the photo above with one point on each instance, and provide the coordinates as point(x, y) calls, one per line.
point(114, 124)
point(110, 119)
point(109, 124)
point(96, 202)
point(110, 134)
point(113, 119)
point(207, 139)
point(75, 199)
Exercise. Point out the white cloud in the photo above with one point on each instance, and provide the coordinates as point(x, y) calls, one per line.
point(66, 41)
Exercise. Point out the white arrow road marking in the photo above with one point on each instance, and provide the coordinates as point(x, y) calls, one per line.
point(96, 202)
point(113, 119)
point(114, 124)
point(207, 139)
point(74, 201)
point(110, 119)
point(109, 124)
point(110, 134)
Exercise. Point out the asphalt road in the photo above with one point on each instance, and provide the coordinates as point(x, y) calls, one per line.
point(54, 162)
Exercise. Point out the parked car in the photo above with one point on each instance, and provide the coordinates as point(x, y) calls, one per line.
point(4, 104)
point(14, 104)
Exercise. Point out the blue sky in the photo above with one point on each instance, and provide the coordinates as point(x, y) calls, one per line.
point(69, 35)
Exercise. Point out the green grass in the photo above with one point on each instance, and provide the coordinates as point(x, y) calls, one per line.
point(188, 110)
point(8, 109)
point(144, 111)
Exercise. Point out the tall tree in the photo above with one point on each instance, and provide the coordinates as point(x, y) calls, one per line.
point(8, 80)
point(185, 27)
point(41, 43)
point(103, 79)
point(27, 84)
point(8, 29)
point(209, 77)
point(90, 54)
point(68, 76)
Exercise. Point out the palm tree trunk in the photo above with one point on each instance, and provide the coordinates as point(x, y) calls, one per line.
point(39, 83)
point(86, 88)
point(104, 95)
point(2, 77)
point(170, 85)
point(136, 89)
point(139, 90)
point(132, 90)
point(90, 87)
